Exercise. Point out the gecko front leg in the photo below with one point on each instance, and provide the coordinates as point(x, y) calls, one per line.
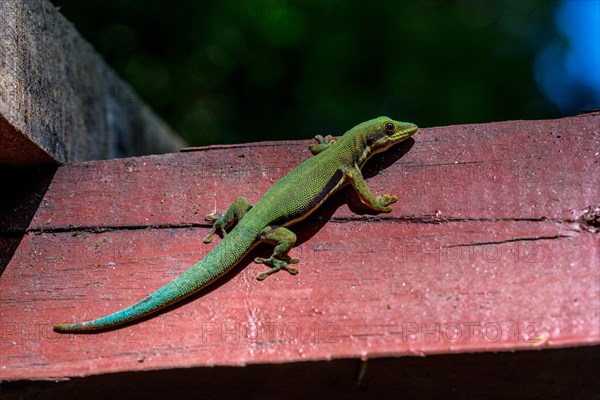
point(379, 203)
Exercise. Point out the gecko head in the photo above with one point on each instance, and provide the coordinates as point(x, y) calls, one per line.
point(381, 133)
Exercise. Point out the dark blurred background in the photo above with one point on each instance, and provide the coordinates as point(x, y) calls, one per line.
point(240, 71)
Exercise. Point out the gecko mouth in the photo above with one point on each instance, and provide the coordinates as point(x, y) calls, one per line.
point(406, 131)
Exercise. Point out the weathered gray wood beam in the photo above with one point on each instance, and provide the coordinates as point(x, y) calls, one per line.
point(57, 95)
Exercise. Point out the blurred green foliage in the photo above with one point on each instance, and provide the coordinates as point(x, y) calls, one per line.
point(239, 71)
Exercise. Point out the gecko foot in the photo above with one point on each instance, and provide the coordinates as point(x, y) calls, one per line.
point(277, 265)
point(384, 201)
point(218, 223)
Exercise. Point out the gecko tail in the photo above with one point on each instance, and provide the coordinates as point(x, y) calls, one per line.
point(214, 265)
point(79, 327)
point(190, 282)
point(154, 302)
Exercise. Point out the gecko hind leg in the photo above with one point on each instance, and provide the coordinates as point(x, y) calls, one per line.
point(284, 240)
point(236, 211)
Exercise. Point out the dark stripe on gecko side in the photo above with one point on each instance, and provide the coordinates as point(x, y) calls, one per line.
point(331, 184)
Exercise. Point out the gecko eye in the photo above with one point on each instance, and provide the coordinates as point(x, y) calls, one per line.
point(390, 128)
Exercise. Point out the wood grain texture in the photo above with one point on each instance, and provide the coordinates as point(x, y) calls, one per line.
point(492, 246)
point(58, 93)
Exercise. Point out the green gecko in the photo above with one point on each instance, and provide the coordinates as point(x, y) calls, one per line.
point(294, 197)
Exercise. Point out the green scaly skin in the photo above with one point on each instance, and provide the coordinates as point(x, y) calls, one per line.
point(291, 199)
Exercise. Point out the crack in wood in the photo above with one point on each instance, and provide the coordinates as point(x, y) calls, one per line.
point(522, 239)
point(590, 219)
point(436, 219)
point(425, 219)
point(101, 229)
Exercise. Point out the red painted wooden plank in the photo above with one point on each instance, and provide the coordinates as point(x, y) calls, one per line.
point(516, 169)
point(360, 293)
point(488, 251)
point(25, 188)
